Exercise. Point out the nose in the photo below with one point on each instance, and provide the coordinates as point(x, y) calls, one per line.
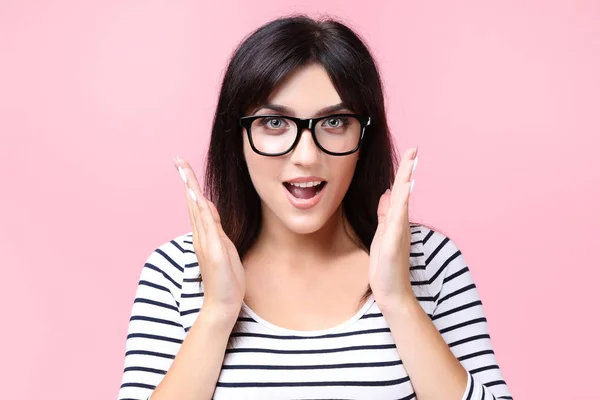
point(306, 151)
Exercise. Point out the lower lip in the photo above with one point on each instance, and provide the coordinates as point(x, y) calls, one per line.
point(304, 204)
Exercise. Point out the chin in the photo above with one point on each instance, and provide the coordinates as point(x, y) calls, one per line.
point(301, 222)
point(304, 225)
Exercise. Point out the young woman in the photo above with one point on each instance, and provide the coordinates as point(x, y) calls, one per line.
point(302, 277)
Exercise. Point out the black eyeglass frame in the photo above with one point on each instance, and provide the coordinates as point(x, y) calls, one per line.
point(302, 124)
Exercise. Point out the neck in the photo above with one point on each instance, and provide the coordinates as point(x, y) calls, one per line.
point(333, 240)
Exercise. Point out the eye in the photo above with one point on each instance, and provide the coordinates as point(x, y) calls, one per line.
point(336, 122)
point(273, 122)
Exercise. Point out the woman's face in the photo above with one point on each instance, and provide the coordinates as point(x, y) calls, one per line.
point(302, 210)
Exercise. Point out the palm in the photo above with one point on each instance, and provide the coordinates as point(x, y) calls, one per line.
point(238, 276)
point(224, 274)
point(388, 263)
point(389, 260)
point(220, 266)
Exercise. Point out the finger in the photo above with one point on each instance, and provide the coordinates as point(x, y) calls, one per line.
point(196, 218)
point(213, 236)
point(204, 213)
point(399, 198)
point(210, 236)
point(217, 219)
point(404, 172)
point(214, 212)
point(193, 207)
point(374, 254)
point(397, 214)
point(383, 206)
point(189, 179)
point(188, 175)
point(227, 243)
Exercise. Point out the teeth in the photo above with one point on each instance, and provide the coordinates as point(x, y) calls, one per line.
point(306, 184)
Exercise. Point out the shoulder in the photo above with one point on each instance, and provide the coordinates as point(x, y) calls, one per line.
point(438, 254)
point(436, 245)
point(166, 264)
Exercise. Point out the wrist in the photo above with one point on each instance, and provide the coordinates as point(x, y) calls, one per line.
point(218, 318)
point(400, 304)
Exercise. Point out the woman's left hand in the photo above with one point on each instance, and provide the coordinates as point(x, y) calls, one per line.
point(389, 267)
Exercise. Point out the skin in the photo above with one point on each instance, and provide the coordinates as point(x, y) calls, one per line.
point(303, 253)
point(307, 253)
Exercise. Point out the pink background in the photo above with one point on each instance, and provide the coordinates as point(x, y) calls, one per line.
point(97, 96)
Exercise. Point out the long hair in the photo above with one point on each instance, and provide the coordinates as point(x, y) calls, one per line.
point(258, 64)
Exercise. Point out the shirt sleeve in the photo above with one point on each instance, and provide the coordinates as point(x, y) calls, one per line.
point(155, 332)
point(459, 316)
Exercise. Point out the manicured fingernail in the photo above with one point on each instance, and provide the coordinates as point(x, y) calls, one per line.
point(412, 184)
point(415, 164)
point(192, 195)
point(182, 173)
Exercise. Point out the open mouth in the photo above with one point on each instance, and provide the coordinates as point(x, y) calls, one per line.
point(305, 190)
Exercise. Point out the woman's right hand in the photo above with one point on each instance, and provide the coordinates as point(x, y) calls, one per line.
point(222, 271)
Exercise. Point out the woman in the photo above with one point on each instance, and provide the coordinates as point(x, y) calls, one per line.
point(302, 277)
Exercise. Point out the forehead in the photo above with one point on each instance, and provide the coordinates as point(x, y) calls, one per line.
point(305, 91)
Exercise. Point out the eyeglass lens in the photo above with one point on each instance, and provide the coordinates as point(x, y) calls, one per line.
point(274, 135)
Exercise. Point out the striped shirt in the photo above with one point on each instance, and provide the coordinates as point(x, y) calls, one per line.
point(354, 360)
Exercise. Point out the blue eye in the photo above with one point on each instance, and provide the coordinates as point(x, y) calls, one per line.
point(342, 121)
point(267, 121)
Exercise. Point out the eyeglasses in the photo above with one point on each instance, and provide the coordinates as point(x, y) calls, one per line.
point(276, 135)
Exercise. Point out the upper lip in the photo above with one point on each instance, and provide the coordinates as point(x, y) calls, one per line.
point(301, 179)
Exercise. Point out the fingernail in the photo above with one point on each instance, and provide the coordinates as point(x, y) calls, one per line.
point(412, 184)
point(415, 164)
point(182, 173)
point(192, 195)
point(387, 191)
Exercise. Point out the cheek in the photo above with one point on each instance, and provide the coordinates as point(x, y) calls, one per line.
point(263, 170)
point(344, 170)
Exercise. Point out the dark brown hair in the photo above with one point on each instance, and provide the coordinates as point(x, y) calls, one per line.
point(258, 64)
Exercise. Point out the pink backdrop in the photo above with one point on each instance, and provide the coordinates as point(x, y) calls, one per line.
point(97, 96)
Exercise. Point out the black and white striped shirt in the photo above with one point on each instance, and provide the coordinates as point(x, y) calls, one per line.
point(354, 360)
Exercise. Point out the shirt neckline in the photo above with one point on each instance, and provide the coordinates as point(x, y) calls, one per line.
point(310, 333)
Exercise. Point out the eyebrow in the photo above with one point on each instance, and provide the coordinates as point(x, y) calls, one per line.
point(289, 111)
